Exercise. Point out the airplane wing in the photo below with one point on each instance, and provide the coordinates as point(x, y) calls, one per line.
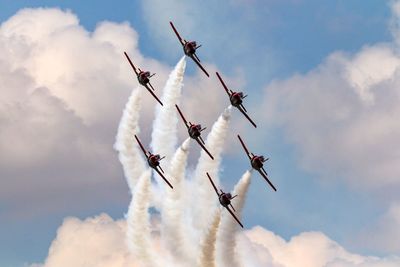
point(153, 94)
point(177, 34)
point(162, 176)
point(233, 215)
point(223, 84)
point(266, 178)
point(215, 188)
point(244, 146)
point(183, 118)
point(130, 62)
point(200, 66)
point(204, 148)
point(247, 116)
point(141, 146)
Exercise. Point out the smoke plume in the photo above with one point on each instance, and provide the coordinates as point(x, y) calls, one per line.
point(226, 240)
point(129, 153)
point(164, 135)
point(138, 219)
point(207, 251)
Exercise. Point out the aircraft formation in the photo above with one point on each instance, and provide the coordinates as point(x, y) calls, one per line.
point(195, 130)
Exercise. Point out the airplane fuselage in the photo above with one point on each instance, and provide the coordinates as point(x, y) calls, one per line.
point(257, 162)
point(194, 131)
point(143, 77)
point(190, 48)
point(225, 199)
point(236, 99)
point(154, 161)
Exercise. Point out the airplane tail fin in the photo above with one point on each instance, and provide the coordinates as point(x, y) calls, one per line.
point(203, 129)
point(197, 56)
point(201, 140)
point(152, 75)
point(151, 86)
point(161, 169)
point(244, 109)
point(264, 171)
point(232, 207)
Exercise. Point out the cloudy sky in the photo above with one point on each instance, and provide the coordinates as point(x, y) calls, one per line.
point(323, 80)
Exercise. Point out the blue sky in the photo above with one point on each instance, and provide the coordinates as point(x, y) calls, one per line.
point(267, 41)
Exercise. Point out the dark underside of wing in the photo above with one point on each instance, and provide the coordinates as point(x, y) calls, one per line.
point(266, 178)
point(234, 216)
point(200, 66)
point(162, 176)
point(244, 147)
point(212, 183)
point(247, 116)
point(153, 94)
point(204, 148)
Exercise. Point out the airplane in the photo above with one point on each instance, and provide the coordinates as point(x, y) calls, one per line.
point(189, 48)
point(154, 161)
point(194, 131)
point(225, 200)
point(257, 163)
point(236, 99)
point(144, 79)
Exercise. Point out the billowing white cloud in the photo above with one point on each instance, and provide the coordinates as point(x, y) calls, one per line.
point(384, 234)
point(342, 117)
point(63, 90)
point(97, 242)
point(100, 241)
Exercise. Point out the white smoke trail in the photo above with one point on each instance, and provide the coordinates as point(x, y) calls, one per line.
point(226, 237)
point(172, 210)
point(164, 135)
point(202, 187)
point(129, 154)
point(207, 251)
point(188, 244)
point(138, 220)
